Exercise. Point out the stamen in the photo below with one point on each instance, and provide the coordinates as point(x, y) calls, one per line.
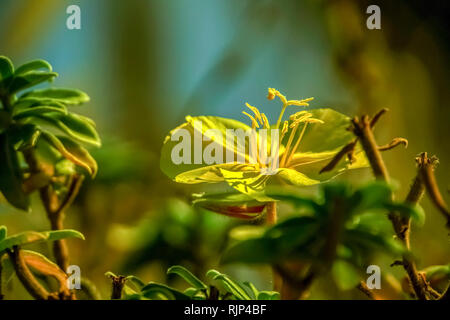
point(288, 145)
point(266, 121)
point(285, 129)
point(254, 122)
point(256, 112)
point(297, 143)
point(300, 103)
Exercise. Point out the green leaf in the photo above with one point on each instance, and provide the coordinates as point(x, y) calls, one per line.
point(253, 289)
point(33, 65)
point(75, 126)
point(345, 275)
point(72, 151)
point(67, 96)
point(7, 271)
point(43, 266)
point(231, 286)
point(296, 178)
point(3, 232)
point(268, 295)
point(30, 79)
point(25, 103)
point(6, 72)
point(28, 237)
point(188, 276)
point(363, 237)
point(438, 271)
point(152, 289)
point(37, 111)
point(138, 283)
point(11, 175)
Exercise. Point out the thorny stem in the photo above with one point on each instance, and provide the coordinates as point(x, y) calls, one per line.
point(362, 129)
point(26, 277)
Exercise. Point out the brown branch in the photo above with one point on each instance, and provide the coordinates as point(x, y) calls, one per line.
point(377, 117)
point(362, 286)
point(25, 276)
point(394, 143)
point(429, 179)
point(362, 128)
point(346, 150)
point(54, 206)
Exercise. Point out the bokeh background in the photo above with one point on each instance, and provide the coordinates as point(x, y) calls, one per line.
point(148, 64)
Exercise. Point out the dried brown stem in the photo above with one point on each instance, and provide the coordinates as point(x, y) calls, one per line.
point(118, 282)
point(394, 143)
point(362, 128)
point(362, 286)
point(429, 179)
point(347, 149)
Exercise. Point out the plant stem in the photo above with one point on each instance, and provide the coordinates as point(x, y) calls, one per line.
point(26, 277)
point(118, 282)
point(362, 286)
point(55, 207)
point(363, 130)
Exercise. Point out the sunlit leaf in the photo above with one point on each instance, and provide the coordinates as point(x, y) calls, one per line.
point(67, 96)
point(29, 237)
point(30, 79)
point(40, 264)
point(152, 290)
point(37, 111)
point(75, 126)
point(33, 65)
point(229, 284)
point(72, 151)
point(188, 276)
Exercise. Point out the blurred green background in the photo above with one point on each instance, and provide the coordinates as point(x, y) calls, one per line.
point(147, 64)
